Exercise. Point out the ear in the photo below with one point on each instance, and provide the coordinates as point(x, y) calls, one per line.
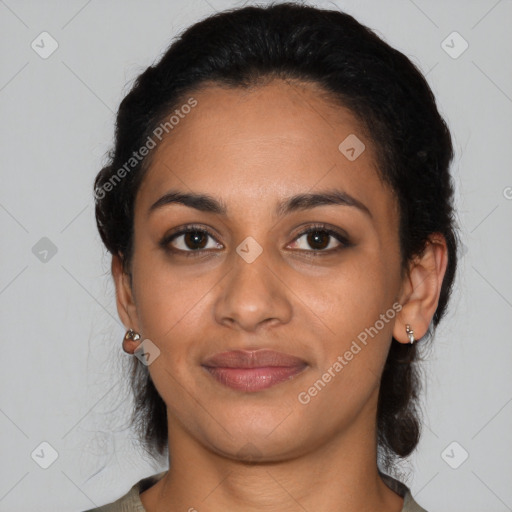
point(421, 289)
point(125, 301)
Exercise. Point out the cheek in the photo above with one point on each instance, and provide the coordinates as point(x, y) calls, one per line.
point(168, 300)
point(357, 307)
point(358, 292)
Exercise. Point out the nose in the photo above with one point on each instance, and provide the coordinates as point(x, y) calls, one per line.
point(253, 294)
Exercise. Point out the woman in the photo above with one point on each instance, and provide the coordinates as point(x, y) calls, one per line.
point(278, 207)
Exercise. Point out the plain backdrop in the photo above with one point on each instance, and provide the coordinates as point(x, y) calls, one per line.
point(62, 378)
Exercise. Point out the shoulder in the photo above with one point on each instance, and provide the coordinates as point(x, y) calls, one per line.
point(402, 490)
point(130, 502)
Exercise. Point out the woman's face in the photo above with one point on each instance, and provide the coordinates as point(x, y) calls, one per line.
point(259, 280)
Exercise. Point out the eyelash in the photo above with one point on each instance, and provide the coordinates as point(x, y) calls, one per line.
point(164, 243)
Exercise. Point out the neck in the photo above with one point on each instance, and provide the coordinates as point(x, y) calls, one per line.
point(340, 475)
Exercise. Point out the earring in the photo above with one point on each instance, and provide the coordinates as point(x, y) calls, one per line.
point(132, 335)
point(410, 333)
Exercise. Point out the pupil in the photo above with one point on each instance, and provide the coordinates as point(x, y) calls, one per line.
point(193, 237)
point(315, 236)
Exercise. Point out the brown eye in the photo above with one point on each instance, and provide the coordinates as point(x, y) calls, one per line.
point(195, 239)
point(318, 239)
point(190, 240)
point(321, 239)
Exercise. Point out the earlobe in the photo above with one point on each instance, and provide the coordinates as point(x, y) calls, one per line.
point(421, 290)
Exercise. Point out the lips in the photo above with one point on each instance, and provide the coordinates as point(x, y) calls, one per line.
point(251, 371)
point(252, 359)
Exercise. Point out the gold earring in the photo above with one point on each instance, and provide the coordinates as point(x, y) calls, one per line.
point(410, 333)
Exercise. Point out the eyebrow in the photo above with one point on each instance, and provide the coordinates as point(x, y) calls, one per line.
point(300, 202)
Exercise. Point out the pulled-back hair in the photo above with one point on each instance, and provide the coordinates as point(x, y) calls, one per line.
point(390, 98)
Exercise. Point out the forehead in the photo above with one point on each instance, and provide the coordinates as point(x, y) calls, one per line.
point(270, 141)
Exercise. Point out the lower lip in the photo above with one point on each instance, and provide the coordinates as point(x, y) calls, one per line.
point(253, 379)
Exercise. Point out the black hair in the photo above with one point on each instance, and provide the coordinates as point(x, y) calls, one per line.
point(390, 97)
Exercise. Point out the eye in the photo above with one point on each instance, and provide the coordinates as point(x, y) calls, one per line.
point(322, 239)
point(195, 240)
point(189, 240)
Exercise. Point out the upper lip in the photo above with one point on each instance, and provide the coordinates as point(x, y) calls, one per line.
point(253, 359)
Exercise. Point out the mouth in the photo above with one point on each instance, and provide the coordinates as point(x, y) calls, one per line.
point(252, 371)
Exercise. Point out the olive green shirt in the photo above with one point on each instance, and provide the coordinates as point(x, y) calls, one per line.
point(130, 502)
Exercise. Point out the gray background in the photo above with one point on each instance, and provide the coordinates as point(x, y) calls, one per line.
point(62, 373)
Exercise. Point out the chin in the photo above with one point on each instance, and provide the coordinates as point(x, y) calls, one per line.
point(268, 438)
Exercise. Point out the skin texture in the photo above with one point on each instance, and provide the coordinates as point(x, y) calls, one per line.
point(251, 149)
